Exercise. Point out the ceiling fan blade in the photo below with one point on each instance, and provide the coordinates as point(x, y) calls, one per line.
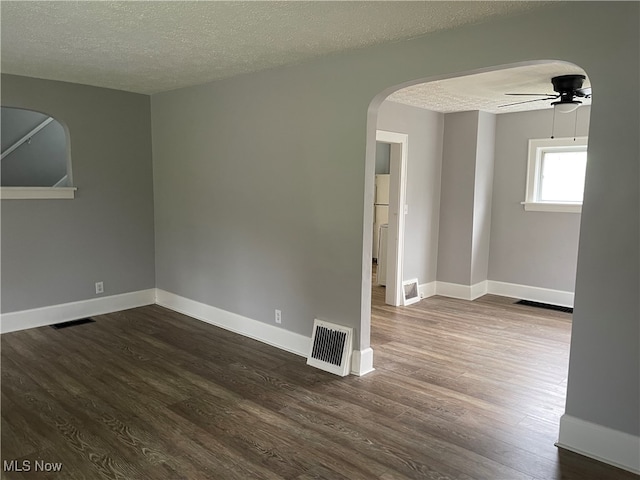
point(526, 101)
point(584, 92)
point(533, 94)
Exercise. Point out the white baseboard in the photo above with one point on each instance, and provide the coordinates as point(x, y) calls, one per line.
point(38, 317)
point(427, 290)
point(512, 290)
point(535, 294)
point(478, 289)
point(464, 292)
point(362, 362)
point(602, 443)
point(269, 334)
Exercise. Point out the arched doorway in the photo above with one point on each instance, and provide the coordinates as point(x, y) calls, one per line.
point(537, 75)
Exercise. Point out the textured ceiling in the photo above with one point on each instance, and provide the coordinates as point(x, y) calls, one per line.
point(151, 46)
point(486, 91)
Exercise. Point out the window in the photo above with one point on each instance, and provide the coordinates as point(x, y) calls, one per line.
point(35, 161)
point(555, 174)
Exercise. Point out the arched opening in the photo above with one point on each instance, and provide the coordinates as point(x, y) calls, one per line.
point(35, 158)
point(489, 360)
point(491, 237)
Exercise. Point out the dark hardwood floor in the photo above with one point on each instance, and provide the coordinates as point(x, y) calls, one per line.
point(461, 391)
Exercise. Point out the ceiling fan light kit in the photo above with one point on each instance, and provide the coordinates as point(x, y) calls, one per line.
point(568, 87)
point(566, 107)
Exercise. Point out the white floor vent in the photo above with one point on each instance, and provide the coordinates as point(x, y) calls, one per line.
point(331, 347)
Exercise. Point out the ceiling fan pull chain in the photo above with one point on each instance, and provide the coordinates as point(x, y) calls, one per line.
point(553, 124)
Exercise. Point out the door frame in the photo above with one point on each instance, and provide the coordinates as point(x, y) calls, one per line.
point(397, 211)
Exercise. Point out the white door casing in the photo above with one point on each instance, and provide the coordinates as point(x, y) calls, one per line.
point(397, 200)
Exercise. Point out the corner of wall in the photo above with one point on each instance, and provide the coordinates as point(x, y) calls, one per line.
point(601, 443)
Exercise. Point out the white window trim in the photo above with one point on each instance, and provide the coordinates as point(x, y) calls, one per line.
point(552, 207)
point(37, 193)
point(537, 147)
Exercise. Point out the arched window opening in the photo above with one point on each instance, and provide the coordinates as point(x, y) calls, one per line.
point(35, 160)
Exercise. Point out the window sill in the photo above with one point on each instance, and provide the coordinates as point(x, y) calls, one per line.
point(552, 207)
point(37, 193)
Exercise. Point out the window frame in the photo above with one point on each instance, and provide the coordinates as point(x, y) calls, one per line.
point(537, 148)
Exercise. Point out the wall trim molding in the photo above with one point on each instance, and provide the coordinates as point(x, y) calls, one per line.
point(478, 289)
point(395, 245)
point(263, 332)
point(427, 290)
point(511, 290)
point(37, 193)
point(362, 362)
point(39, 317)
point(605, 444)
point(526, 292)
point(463, 292)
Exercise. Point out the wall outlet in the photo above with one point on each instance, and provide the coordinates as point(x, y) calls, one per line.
point(278, 316)
point(99, 288)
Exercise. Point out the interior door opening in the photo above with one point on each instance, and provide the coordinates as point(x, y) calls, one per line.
point(389, 212)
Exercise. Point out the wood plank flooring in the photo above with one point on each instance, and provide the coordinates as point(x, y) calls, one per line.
point(461, 391)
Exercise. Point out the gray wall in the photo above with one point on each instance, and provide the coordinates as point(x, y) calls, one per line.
point(457, 197)
point(53, 251)
point(482, 194)
point(424, 163)
point(259, 195)
point(40, 162)
point(466, 189)
point(241, 168)
point(539, 249)
point(529, 248)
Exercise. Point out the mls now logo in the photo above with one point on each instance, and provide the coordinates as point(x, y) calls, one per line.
point(28, 466)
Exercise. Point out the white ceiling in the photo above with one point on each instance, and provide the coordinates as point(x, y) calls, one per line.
point(154, 46)
point(151, 46)
point(487, 91)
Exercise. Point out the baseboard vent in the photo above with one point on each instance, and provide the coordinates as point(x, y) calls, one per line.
point(331, 348)
point(72, 323)
point(548, 306)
